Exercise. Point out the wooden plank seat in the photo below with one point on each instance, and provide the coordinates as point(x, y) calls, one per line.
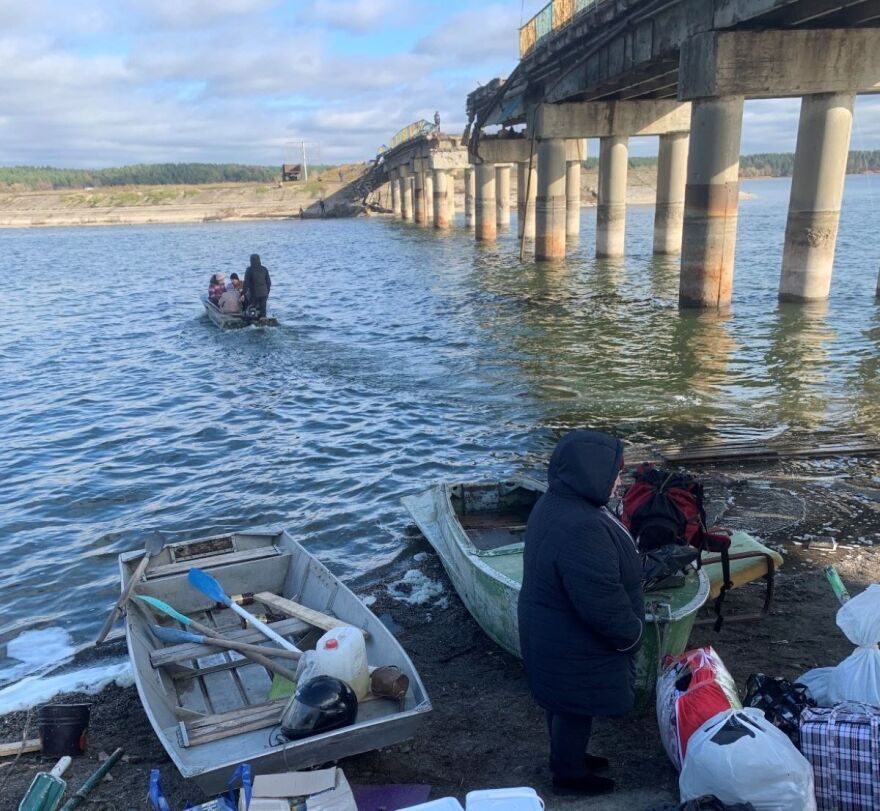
point(193, 650)
point(308, 615)
point(749, 561)
point(245, 719)
point(511, 521)
point(212, 561)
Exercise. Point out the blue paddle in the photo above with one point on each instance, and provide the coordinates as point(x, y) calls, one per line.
point(209, 586)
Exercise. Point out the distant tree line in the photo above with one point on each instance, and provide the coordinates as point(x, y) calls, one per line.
point(775, 164)
point(45, 178)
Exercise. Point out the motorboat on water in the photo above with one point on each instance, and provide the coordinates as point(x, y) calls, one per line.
point(235, 320)
point(213, 709)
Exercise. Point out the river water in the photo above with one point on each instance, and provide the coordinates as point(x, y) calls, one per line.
point(405, 355)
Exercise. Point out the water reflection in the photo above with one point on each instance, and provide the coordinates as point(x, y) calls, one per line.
point(797, 362)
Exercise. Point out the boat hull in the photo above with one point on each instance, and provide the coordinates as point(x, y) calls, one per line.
point(234, 320)
point(488, 582)
point(211, 710)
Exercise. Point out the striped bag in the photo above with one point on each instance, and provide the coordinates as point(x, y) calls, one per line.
point(842, 745)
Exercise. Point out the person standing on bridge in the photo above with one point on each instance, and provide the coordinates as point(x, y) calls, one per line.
point(581, 607)
point(257, 284)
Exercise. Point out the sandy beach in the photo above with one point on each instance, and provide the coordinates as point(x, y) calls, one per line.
point(236, 202)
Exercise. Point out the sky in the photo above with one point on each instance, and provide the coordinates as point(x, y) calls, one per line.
point(94, 83)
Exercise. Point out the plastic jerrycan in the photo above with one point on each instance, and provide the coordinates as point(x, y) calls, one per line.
point(342, 653)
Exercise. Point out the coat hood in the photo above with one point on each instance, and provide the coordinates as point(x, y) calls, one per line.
point(585, 464)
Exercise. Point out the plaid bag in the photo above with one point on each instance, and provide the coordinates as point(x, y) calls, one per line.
point(842, 745)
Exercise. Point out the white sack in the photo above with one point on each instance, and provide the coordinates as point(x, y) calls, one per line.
point(741, 757)
point(818, 681)
point(857, 678)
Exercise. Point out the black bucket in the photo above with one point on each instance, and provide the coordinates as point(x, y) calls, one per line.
point(63, 728)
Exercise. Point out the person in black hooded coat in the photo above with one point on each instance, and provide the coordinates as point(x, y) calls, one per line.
point(581, 610)
point(257, 285)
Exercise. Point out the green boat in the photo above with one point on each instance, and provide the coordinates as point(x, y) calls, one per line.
point(478, 531)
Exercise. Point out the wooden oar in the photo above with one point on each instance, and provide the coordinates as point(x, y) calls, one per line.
point(153, 546)
point(212, 635)
point(206, 584)
point(174, 636)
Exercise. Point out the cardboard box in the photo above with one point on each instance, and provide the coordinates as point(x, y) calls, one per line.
point(325, 790)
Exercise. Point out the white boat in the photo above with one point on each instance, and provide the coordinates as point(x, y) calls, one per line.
point(234, 320)
point(211, 708)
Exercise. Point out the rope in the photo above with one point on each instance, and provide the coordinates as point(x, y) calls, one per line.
point(11, 767)
point(522, 238)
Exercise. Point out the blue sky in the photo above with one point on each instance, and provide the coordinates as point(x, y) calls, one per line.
point(101, 82)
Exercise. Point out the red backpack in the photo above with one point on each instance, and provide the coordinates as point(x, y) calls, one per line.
point(662, 507)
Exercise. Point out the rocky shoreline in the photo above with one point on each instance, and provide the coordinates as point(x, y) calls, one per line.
point(485, 730)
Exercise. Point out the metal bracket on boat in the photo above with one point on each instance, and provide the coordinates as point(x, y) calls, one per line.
point(658, 612)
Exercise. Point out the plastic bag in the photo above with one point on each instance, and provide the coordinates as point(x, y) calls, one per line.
point(691, 689)
point(739, 756)
point(226, 802)
point(856, 678)
point(708, 802)
point(780, 701)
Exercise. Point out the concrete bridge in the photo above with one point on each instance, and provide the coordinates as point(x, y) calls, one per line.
point(421, 172)
point(680, 70)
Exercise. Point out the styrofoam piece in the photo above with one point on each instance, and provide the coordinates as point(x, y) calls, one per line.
point(443, 804)
point(522, 798)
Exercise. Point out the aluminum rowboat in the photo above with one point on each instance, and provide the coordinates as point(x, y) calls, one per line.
point(210, 708)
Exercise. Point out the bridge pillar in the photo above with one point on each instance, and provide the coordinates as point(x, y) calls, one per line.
point(429, 196)
point(816, 193)
point(441, 201)
point(450, 197)
point(394, 182)
point(526, 192)
point(611, 208)
point(710, 203)
point(671, 180)
point(470, 193)
point(420, 214)
point(550, 200)
point(573, 188)
point(502, 194)
point(406, 193)
point(486, 217)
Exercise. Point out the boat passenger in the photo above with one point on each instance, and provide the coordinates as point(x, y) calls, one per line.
point(257, 285)
point(230, 301)
point(216, 288)
point(581, 610)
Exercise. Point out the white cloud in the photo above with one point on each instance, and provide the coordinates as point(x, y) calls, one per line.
point(199, 13)
point(239, 80)
point(356, 16)
point(485, 33)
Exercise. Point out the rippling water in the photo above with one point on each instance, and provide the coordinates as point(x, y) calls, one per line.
point(405, 355)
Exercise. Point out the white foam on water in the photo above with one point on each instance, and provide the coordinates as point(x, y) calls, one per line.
point(415, 588)
point(34, 690)
point(36, 649)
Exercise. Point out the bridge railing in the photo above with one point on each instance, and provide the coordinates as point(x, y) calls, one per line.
point(555, 15)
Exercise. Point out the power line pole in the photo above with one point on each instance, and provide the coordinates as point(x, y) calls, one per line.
point(303, 147)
